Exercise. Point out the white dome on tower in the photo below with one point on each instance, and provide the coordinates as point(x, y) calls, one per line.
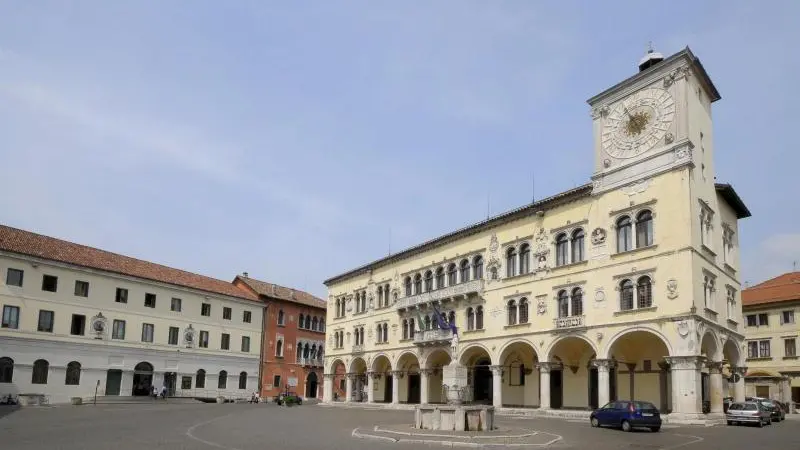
point(650, 58)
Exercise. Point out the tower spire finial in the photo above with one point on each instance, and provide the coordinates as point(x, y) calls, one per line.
point(650, 47)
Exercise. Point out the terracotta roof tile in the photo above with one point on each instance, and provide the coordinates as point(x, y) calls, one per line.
point(282, 293)
point(27, 243)
point(779, 289)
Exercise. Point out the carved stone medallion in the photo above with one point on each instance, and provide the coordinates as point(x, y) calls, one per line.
point(672, 289)
point(598, 236)
point(541, 306)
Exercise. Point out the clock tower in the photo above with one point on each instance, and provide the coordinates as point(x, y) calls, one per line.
point(651, 122)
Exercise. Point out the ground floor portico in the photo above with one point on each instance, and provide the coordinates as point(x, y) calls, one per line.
point(684, 367)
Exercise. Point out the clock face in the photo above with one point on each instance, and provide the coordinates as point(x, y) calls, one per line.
point(638, 123)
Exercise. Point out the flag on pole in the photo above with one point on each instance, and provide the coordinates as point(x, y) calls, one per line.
point(439, 320)
point(420, 321)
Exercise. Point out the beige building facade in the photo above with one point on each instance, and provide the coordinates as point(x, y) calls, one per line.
point(770, 311)
point(626, 287)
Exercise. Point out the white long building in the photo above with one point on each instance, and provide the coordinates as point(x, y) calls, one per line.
point(78, 321)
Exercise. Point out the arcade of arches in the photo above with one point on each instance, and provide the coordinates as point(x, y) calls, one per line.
point(567, 374)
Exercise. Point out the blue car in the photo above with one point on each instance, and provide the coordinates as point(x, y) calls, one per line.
point(627, 415)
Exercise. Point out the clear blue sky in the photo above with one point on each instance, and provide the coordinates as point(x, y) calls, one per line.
point(286, 139)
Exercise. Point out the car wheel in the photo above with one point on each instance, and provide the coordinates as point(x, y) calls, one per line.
point(595, 423)
point(655, 429)
point(626, 426)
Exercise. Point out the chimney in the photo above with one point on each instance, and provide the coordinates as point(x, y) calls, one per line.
point(244, 274)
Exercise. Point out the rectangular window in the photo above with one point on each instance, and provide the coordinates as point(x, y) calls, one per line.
point(763, 349)
point(225, 342)
point(787, 317)
point(205, 309)
point(752, 349)
point(78, 325)
point(752, 320)
point(763, 320)
point(45, 321)
point(186, 382)
point(789, 347)
point(246, 317)
point(226, 313)
point(14, 277)
point(150, 300)
point(276, 381)
point(81, 288)
point(147, 332)
point(175, 305)
point(246, 344)
point(49, 283)
point(118, 329)
point(204, 339)
point(173, 336)
point(10, 317)
point(122, 295)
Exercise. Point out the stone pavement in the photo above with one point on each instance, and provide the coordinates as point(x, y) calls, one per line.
point(501, 437)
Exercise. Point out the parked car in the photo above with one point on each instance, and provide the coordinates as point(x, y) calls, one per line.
point(627, 415)
point(288, 398)
point(748, 412)
point(775, 408)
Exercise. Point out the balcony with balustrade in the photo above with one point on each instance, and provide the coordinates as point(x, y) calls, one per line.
point(433, 337)
point(310, 362)
point(455, 292)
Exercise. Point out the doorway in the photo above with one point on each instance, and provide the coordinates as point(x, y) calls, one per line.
point(171, 382)
point(311, 385)
point(142, 379)
point(593, 388)
point(762, 391)
point(482, 380)
point(556, 387)
point(113, 381)
point(387, 389)
point(414, 387)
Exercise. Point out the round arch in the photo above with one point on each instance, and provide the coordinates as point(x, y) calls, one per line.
point(438, 355)
point(731, 353)
point(709, 346)
point(474, 350)
point(555, 344)
point(381, 363)
point(335, 362)
point(358, 365)
point(509, 347)
point(406, 361)
point(762, 373)
point(606, 354)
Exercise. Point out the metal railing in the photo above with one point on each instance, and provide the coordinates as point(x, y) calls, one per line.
point(474, 286)
point(432, 336)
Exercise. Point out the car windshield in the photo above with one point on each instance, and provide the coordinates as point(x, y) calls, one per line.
point(749, 407)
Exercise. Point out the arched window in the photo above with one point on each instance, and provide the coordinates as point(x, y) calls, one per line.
point(378, 333)
point(306, 351)
point(301, 322)
point(299, 352)
point(338, 302)
point(563, 303)
point(524, 258)
point(408, 286)
point(479, 318)
point(322, 325)
point(428, 281)
point(452, 274)
point(279, 348)
point(222, 383)
point(386, 294)
point(440, 278)
point(385, 332)
point(73, 374)
point(6, 370)
point(40, 369)
point(417, 284)
point(644, 229)
point(363, 302)
point(562, 249)
point(451, 317)
point(577, 245)
point(280, 317)
point(464, 270)
point(411, 329)
point(427, 322)
point(523, 310)
point(434, 322)
point(577, 302)
point(308, 322)
point(200, 379)
point(313, 353)
point(511, 262)
point(315, 324)
point(512, 312)
point(405, 328)
point(380, 296)
point(644, 292)
point(624, 235)
point(243, 380)
point(477, 267)
point(626, 295)
point(470, 319)
point(320, 352)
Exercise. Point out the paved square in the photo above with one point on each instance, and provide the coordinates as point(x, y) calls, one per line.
point(251, 427)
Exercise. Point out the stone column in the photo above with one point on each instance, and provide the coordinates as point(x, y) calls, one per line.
point(544, 385)
point(786, 389)
point(497, 386)
point(631, 379)
point(424, 377)
point(396, 376)
point(687, 393)
point(327, 388)
point(738, 387)
point(715, 386)
point(351, 379)
point(371, 379)
point(603, 394)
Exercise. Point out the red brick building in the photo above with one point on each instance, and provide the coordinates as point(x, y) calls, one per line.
point(293, 339)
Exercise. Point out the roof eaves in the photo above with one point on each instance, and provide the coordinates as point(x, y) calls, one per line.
point(729, 194)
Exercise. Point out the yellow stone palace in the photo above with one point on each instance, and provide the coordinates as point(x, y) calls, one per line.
point(625, 287)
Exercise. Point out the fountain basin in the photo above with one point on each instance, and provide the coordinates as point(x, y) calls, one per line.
point(454, 417)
